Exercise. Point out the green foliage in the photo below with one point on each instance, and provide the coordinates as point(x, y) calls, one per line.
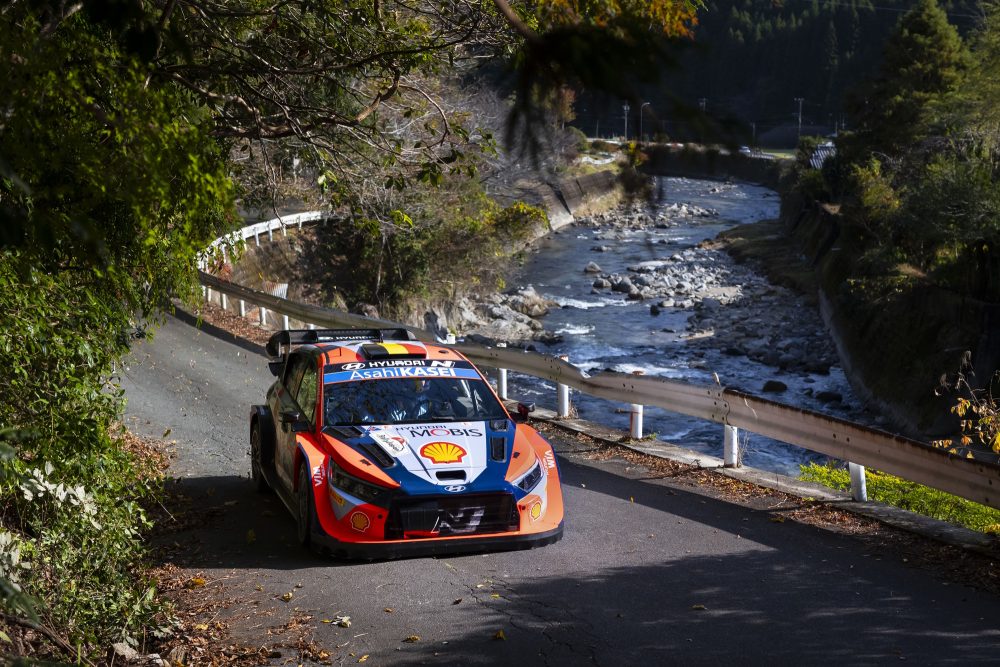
point(69, 500)
point(111, 183)
point(909, 496)
point(448, 235)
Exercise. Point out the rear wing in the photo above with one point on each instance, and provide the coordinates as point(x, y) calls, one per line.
point(280, 344)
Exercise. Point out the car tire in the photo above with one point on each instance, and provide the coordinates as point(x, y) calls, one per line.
point(256, 460)
point(306, 514)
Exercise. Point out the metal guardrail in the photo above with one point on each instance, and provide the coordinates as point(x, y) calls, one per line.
point(920, 462)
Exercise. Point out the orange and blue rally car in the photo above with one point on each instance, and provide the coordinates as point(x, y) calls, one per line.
point(382, 446)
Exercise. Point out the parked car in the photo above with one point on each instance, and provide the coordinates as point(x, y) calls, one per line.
point(382, 446)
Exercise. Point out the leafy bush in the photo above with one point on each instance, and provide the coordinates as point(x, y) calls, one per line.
point(69, 500)
point(909, 496)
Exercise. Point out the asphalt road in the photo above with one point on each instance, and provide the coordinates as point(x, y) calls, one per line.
point(649, 571)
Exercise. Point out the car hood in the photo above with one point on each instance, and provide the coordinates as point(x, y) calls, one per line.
point(442, 454)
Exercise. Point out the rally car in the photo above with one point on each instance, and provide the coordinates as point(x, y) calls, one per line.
point(382, 446)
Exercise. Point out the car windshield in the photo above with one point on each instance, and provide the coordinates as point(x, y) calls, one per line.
point(409, 400)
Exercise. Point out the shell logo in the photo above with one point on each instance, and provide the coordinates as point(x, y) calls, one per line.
point(443, 452)
point(360, 522)
point(535, 511)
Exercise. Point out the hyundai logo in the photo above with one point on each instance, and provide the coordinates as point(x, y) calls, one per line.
point(455, 488)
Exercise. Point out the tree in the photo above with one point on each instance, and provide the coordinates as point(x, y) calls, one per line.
point(925, 59)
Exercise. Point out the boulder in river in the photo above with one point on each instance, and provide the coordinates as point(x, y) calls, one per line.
point(592, 267)
point(774, 387)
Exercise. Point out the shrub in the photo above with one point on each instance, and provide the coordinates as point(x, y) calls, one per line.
point(909, 496)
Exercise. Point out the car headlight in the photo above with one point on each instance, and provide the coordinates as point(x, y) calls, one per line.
point(531, 478)
point(352, 486)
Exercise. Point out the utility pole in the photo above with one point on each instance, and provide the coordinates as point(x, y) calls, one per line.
point(625, 108)
point(800, 100)
point(643, 106)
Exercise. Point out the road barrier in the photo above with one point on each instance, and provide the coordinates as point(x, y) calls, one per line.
point(859, 445)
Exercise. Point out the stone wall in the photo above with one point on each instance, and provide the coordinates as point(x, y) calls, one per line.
point(712, 164)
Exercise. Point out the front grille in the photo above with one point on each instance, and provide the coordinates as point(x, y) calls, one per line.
point(441, 516)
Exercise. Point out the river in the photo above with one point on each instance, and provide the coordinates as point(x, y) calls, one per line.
point(603, 329)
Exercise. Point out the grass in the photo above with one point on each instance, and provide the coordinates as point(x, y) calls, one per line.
point(910, 496)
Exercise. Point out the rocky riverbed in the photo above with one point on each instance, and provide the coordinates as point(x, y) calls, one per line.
point(647, 289)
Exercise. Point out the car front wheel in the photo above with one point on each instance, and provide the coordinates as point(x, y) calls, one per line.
point(256, 472)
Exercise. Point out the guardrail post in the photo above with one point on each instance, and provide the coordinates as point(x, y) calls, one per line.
point(208, 295)
point(284, 230)
point(502, 379)
point(225, 300)
point(256, 238)
point(310, 326)
point(263, 316)
point(730, 453)
point(635, 422)
point(284, 321)
point(270, 233)
point(243, 308)
point(563, 394)
point(859, 488)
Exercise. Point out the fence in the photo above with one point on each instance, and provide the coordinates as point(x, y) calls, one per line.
point(838, 438)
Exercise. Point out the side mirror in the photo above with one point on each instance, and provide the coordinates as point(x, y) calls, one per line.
point(275, 367)
point(523, 410)
point(295, 420)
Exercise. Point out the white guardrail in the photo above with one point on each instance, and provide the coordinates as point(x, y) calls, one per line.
point(861, 446)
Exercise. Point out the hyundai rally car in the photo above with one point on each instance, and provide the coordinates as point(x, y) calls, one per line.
point(382, 446)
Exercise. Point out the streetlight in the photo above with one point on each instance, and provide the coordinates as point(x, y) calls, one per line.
point(800, 100)
point(641, 107)
point(625, 108)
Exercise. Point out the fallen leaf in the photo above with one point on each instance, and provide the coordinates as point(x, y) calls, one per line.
point(195, 582)
point(363, 658)
point(699, 607)
point(258, 587)
point(201, 627)
point(327, 620)
point(458, 601)
point(166, 433)
point(412, 639)
point(495, 596)
point(631, 499)
point(287, 596)
point(500, 635)
point(251, 536)
point(777, 519)
point(342, 621)
point(388, 610)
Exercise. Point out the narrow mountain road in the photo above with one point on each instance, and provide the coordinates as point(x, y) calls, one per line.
point(649, 570)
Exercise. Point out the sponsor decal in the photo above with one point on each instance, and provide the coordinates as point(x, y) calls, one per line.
point(360, 522)
point(550, 459)
point(455, 488)
point(398, 363)
point(443, 452)
point(337, 498)
point(440, 432)
point(535, 511)
point(392, 372)
point(393, 444)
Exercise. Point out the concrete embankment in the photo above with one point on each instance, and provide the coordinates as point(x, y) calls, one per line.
point(896, 341)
